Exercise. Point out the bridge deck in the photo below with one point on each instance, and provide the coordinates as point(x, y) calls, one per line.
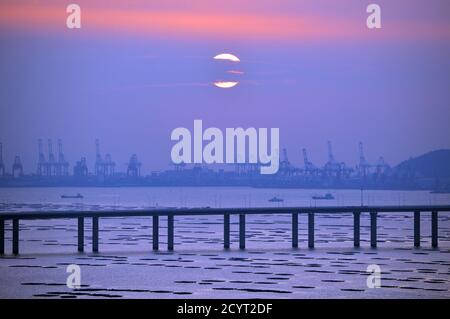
point(45, 214)
point(155, 213)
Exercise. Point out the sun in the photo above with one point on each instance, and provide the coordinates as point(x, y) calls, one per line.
point(227, 56)
point(225, 85)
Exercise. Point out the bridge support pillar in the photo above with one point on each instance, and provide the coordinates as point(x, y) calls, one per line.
point(15, 243)
point(226, 231)
point(242, 231)
point(95, 234)
point(80, 234)
point(356, 228)
point(373, 229)
point(434, 229)
point(170, 232)
point(294, 230)
point(155, 237)
point(417, 229)
point(311, 230)
point(2, 236)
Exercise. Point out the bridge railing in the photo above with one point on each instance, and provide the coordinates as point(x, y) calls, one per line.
point(170, 213)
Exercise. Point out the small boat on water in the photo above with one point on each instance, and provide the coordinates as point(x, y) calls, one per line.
point(440, 191)
point(276, 200)
point(326, 196)
point(72, 196)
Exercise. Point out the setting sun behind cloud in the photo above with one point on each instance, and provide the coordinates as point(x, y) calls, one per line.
point(227, 56)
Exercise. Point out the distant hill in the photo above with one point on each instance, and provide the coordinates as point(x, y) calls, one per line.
point(435, 164)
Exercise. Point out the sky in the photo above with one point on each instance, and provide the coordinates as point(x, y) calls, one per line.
point(138, 69)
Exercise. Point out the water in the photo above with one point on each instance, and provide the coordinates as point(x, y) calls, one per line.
point(141, 197)
point(126, 266)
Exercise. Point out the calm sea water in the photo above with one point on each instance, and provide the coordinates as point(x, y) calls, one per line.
point(127, 267)
point(140, 197)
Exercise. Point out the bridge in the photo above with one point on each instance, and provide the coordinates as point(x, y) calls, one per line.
point(171, 213)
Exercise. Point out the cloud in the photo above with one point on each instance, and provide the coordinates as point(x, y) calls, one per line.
point(168, 85)
point(190, 23)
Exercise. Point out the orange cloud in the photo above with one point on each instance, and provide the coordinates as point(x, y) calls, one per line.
point(191, 23)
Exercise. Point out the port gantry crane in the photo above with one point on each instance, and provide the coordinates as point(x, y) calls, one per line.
point(62, 166)
point(363, 166)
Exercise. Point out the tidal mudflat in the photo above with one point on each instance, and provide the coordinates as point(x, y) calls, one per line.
point(126, 266)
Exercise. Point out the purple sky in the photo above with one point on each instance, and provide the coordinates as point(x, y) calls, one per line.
point(131, 84)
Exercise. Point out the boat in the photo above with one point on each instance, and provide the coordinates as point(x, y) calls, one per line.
point(276, 200)
point(440, 191)
point(327, 196)
point(72, 196)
